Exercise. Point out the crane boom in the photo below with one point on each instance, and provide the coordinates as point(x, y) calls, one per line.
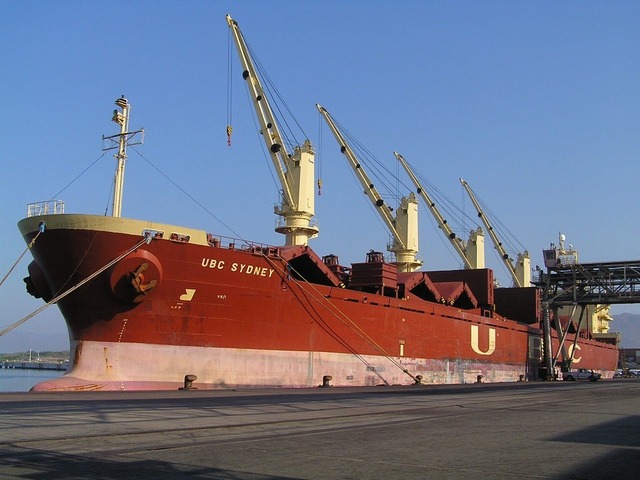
point(470, 261)
point(369, 189)
point(521, 276)
point(295, 172)
point(403, 230)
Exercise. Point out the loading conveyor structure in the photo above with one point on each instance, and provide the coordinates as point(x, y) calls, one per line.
point(570, 284)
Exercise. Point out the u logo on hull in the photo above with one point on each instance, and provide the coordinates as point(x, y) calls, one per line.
point(474, 341)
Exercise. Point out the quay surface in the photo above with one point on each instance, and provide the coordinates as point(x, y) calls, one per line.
point(536, 430)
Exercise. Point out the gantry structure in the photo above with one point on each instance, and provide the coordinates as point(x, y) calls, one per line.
point(568, 283)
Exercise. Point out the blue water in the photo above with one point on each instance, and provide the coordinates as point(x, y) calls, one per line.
point(21, 380)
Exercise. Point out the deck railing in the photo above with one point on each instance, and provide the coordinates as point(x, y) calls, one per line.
point(50, 207)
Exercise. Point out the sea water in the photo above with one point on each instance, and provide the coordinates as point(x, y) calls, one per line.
point(22, 379)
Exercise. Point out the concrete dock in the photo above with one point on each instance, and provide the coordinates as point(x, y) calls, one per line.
point(537, 430)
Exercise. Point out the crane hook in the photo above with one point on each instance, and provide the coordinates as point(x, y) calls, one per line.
point(229, 131)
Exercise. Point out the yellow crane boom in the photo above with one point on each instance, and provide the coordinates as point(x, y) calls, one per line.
point(296, 172)
point(404, 226)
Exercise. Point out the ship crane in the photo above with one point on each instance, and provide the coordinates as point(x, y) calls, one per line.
point(471, 257)
point(521, 272)
point(404, 226)
point(295, 171)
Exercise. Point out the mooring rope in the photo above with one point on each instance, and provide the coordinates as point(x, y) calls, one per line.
point(344, 318)
point(41, 228)
point(146, 239)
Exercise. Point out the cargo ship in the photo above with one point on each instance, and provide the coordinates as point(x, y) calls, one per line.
point(153, 306)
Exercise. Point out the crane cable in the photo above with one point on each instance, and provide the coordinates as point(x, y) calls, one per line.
point(320, 148)
point(334, 310)
point(229, 89)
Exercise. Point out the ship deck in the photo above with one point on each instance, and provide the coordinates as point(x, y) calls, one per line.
point(517, 430)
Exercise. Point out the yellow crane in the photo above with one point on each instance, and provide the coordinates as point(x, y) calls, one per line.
point(295, 170)
point(472, 251)
point(404, 225)
point(521, 271)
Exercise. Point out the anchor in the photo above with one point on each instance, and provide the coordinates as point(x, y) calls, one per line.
point(137, 280)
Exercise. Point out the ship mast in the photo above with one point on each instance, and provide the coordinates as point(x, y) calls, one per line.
point(521, 273)
point(472, 258)
point(120, 141)
point(404, 226)
point(295, 171)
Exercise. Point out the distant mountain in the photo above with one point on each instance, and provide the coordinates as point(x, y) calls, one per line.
point(628, 324)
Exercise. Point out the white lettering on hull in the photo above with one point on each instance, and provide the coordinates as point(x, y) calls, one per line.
point(244, 268)
point(474, 341)
point(213, 263)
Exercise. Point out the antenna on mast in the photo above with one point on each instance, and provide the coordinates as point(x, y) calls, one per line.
point(121, 141)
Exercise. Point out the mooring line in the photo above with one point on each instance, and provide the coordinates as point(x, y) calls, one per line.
point(146, 239)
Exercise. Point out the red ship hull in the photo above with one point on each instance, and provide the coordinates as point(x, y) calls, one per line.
point(250, 315)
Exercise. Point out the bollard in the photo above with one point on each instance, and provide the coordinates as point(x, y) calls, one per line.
point(418, 380)
point(188, 383)
point(479, 379)
point(325, 381)
point(521, 378)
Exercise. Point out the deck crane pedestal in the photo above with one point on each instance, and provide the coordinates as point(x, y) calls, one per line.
point(521, 271)
point(472, 251)
point(404, 226)
point(295, 171)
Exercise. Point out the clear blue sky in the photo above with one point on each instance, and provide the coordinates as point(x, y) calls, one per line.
point(535, 104)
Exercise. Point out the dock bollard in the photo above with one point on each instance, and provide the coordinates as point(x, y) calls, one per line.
point(418, 380)
point(325, 381)
point(479, 379)
point(188, 383)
